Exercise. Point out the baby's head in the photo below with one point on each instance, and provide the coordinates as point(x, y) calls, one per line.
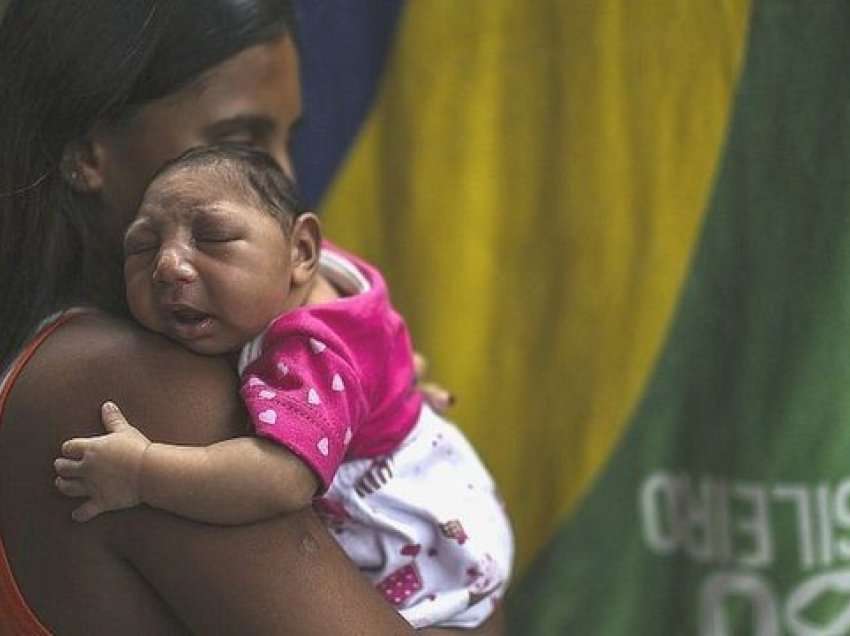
point(219, 247)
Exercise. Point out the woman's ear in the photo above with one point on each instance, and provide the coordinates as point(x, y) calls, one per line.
point(306, 239)
point(82, 166)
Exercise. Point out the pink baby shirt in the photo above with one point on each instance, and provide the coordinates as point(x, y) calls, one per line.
point(334, 381)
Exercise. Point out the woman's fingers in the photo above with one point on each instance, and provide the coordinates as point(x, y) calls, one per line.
point(71, 487)
point(437, 397)
point(420, 365)
point(112, 417)
point(68, 468)
point(86, 512)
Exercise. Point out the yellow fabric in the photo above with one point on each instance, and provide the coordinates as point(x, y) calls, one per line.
point(532, 180)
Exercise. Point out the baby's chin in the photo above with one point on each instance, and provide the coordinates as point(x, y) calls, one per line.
point(210, 347)
point(209, 344)
point(203, 333)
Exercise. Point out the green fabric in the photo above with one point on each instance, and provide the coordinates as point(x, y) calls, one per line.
point(532, 179)
point(726, 507)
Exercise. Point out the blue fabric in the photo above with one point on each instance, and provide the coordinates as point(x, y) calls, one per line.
point(345, 44)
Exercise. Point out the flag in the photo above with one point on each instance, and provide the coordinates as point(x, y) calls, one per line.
point(619, 231)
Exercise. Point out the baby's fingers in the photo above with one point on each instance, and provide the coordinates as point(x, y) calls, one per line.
point(75, 448)
point(68, 468)
point(86, 512)
point(112, 417)
point(71, 487)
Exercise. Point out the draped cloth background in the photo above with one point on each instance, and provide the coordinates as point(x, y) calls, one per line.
point(620, 232)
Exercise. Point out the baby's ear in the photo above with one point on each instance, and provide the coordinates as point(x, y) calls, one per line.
point(306, 240)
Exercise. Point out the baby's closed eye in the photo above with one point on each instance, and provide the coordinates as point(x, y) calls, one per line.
point(135, 244)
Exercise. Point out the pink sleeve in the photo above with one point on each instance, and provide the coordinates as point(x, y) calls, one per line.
point(304, 393)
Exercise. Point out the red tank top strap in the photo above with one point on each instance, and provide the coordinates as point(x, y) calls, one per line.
point(16, 618)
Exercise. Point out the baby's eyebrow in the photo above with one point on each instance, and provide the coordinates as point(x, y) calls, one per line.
point(210, 212)
point(212, 217)
point(142, 223)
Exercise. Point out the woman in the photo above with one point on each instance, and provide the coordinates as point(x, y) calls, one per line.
point(96, 95)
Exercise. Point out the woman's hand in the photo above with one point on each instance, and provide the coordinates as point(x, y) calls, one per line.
point(436, 396)
point(106, 469)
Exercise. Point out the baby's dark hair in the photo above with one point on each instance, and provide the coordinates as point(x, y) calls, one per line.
point(254, 172)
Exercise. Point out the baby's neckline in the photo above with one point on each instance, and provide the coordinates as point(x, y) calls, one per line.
point(343, 274)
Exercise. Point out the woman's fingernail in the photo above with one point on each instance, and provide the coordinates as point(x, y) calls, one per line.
point(445, 399)
point(109, 406)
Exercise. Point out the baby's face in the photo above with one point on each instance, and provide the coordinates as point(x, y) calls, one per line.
point(203, 266)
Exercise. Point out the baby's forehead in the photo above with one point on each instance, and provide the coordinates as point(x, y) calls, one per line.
point(193, 189)
point(194, 185)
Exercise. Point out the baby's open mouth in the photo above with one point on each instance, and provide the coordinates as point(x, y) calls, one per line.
point(188, 316)
point(188, 323)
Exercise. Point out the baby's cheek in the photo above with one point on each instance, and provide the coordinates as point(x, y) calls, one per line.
point(260, 298)
point(139, 302)
point(250, 319)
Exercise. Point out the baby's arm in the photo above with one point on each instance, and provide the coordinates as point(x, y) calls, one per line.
point(235, 481)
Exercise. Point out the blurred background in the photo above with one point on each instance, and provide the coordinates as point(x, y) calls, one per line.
point(619, 231)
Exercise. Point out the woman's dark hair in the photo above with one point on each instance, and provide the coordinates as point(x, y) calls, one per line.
point(64, 65)
point(257, 176)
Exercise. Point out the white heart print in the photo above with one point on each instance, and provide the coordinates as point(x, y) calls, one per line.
point(281, 366)
point(268, 416)
point(313, 397)
point(267, 395)
point(322, 445)
point(347, 435)
point(337, 383)
point(317, 345)
point(255, 381)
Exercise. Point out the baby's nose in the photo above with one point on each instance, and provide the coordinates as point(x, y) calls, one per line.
point(174, 266)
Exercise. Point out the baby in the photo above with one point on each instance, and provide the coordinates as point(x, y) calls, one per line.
point(222, 259)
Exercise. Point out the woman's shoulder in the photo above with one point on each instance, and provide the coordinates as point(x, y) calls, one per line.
point(171, 394)
point(94, 357)
point(94, 336)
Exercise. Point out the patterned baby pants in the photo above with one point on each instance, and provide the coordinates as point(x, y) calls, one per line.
point(426, 525)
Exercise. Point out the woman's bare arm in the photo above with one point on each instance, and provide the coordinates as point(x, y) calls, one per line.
point(282, 576)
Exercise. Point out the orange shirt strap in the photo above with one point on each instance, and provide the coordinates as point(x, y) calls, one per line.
point(16, 618)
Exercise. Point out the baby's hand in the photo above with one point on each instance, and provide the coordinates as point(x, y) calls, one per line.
point(105, 469)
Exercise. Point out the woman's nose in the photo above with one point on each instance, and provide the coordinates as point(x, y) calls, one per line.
point(285, 161)
point(173, 266)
